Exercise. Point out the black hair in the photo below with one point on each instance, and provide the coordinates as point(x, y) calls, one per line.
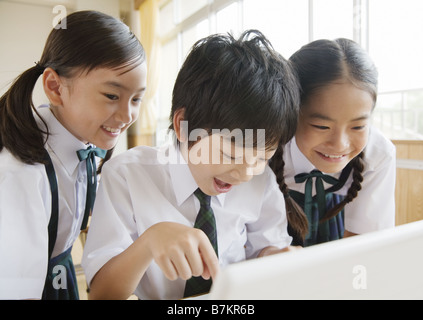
point(319, 64)
point(226, 83)
point(91, 40)
point(322, 62)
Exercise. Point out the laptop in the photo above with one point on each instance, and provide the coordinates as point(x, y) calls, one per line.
point(386, 264)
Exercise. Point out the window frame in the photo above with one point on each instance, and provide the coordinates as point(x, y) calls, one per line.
point(361, 16)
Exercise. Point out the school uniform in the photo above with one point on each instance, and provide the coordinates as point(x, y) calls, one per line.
point(25, 209)
point(373, 208)
point(140, 188)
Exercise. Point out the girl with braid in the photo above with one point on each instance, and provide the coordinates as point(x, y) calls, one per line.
point(338, 172)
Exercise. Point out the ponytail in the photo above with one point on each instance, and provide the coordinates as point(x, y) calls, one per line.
point(297, 219)
point(19, 132)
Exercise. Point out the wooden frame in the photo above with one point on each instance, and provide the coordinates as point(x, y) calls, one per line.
point(409, 182)
point(137, 3)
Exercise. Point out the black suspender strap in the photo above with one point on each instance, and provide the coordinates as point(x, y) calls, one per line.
point(54, 218)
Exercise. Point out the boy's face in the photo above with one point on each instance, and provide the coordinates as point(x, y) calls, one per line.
point(333, 126)
point(217, 164)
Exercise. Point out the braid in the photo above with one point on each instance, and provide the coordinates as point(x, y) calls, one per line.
point(294, 213)
point(358, 167)
point(277, 165)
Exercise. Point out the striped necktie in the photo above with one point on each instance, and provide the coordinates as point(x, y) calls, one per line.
point(205, 221)
point(89, 156)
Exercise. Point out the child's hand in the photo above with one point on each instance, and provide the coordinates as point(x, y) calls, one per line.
point(181, 251)
point(274, 250)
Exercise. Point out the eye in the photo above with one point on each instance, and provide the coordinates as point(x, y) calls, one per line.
point(320, 127)
point(358, 128)
point(228, 156)
point(111, 96)
point(137, 100)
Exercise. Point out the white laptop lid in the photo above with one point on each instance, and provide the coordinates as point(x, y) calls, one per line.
point(386, 264)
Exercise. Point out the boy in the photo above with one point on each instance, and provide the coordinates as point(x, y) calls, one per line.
point(233, 102)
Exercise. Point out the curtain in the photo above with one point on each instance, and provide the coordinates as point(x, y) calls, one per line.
point(149, 16)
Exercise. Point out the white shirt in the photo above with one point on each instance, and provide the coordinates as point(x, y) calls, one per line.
point(25, 208)
point(374, 207)
point(137, 191)
point(71, 179)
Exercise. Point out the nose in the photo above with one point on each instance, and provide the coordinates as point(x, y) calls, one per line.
point(241, 175)
point(340, 140)
point(124, 113)
point(245, 172)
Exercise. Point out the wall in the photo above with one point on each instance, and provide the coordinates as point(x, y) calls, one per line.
point(24, 28)
point(23, 31)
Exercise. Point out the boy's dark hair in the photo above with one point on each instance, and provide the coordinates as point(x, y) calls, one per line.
point(238, 84)
point(91, 40)
point(319, 64)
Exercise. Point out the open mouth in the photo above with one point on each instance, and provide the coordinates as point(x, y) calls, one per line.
point(331, 157)
point(111, 130)
point(221, 186)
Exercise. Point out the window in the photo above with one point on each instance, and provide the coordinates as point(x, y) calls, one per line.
point(333, 19)
point(388, 29)
point(277, 19)
point(187, 7)
point(395, 47)
point(227, 19)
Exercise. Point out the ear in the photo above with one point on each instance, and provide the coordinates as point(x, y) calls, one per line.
point(52, 86)
point(181, 130)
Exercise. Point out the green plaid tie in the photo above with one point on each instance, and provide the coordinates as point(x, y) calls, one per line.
point(89, 156)
point(205, 221)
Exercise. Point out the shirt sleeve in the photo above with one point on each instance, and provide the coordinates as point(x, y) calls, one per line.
point(112, 228)
point(25, 204)
point(374, 207)
point(270, 229)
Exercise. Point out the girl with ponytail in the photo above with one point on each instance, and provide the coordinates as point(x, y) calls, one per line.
point(338, 172)
point(94, 75)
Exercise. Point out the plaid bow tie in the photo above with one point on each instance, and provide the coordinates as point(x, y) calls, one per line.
point(320, 190)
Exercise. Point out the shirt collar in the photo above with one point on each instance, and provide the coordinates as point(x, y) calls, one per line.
point(183, 182)
point(61, 142)
point(301, 163)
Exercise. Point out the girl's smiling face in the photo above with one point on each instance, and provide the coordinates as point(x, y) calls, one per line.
point(97, 106)
point(333, 125)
